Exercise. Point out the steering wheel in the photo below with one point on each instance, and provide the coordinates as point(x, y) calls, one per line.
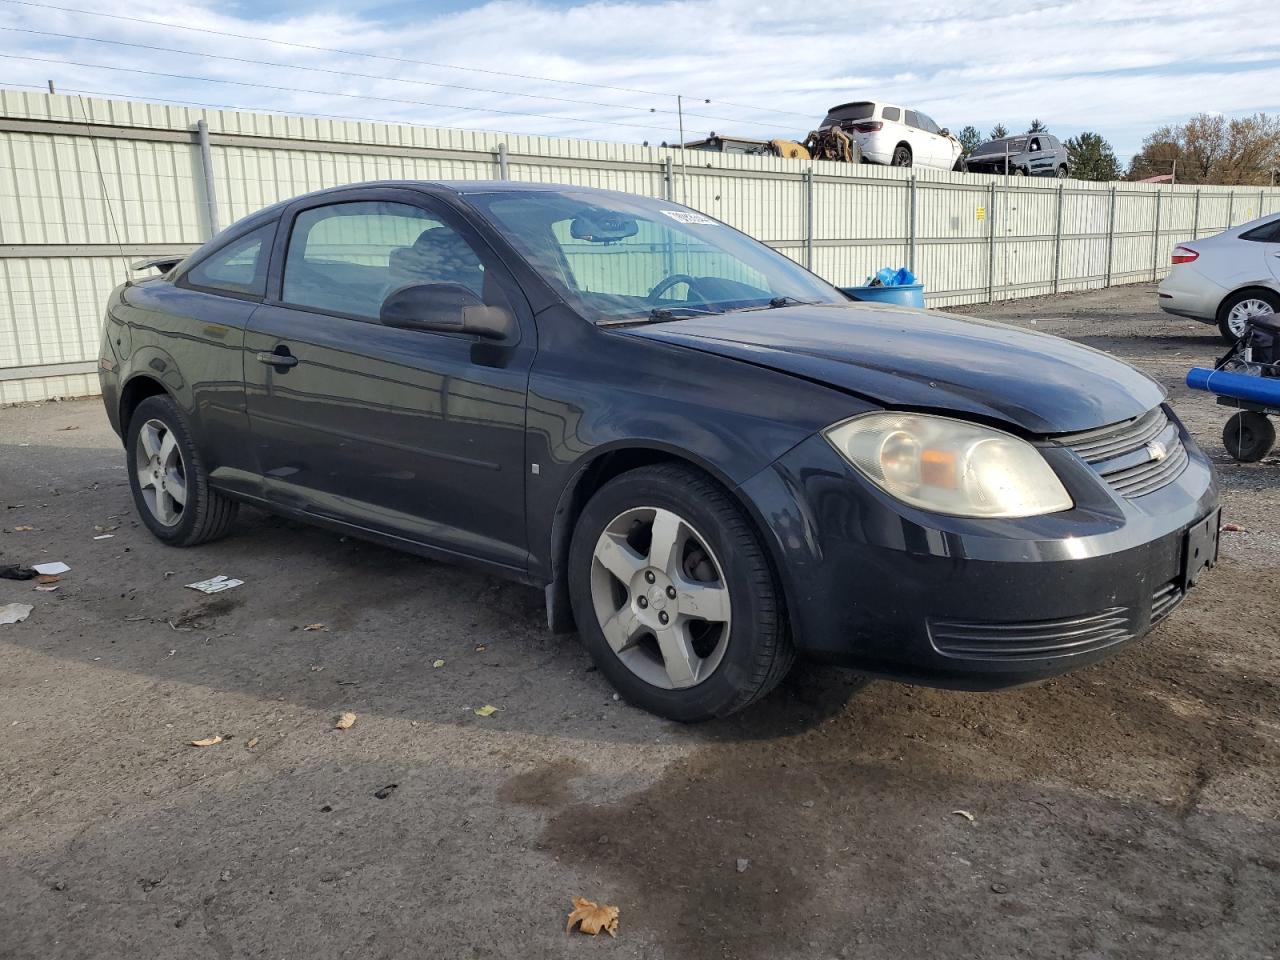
point(667, 283)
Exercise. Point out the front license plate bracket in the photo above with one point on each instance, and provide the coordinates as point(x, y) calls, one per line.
point(1200, 549)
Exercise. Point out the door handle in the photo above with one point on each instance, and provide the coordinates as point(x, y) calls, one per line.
point(280, 358)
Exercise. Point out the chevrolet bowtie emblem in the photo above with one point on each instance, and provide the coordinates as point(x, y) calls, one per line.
point(1157, 450)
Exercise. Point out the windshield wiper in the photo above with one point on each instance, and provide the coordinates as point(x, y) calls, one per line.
point(664, 314)
point(786, 301)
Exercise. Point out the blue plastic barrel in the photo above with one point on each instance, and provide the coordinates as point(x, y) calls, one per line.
point(904, 295)
point(1239, 386)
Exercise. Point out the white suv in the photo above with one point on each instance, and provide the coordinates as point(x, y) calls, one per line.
point(895, 135)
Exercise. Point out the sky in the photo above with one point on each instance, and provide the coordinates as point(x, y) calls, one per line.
point(612, 70)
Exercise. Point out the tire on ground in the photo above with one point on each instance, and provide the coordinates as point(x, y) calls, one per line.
point(759, 652)
point(1230, 303)
point(207, 514)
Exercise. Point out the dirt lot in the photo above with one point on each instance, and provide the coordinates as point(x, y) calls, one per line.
point(1131, 809)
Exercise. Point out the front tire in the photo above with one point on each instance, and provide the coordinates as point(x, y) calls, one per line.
point(1249, 436)
point(1062, 172)
point(168, 479)
point(1239, 308)
point(674, 595)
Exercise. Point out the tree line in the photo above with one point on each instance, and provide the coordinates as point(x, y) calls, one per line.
point(1206, 149)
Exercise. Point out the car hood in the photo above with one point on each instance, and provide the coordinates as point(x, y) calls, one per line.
point(915, 359)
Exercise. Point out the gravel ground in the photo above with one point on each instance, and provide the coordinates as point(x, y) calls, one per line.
point(1130, 809)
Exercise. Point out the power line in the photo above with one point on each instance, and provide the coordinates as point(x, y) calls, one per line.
point(375, 76)
point(379, 56)
point(328, 93)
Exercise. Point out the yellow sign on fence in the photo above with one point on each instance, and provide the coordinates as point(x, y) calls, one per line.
point(981, 213)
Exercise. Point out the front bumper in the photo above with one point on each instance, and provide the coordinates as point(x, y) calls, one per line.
point(875, 585)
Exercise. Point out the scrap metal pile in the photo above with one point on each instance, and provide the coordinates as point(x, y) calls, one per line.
point(832, 143)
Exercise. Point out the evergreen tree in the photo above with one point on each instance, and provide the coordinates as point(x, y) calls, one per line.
point(969, 138)
point(998, 132)
point(1090, 157)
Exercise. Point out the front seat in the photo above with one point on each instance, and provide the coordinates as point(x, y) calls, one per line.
point(438, 256)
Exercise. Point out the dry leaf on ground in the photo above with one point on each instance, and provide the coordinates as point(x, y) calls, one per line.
point(253, 742)
point(592, 918)
point(963, 813)
point(486, 711)
point(438, 663)
point(207, 742)
point(23, 529)
point(346, 721)
point(313, 627)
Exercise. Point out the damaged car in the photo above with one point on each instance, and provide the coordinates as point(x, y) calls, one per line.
point(710, 460)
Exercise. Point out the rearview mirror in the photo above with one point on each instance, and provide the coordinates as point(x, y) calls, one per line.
point(446, 308)
point(602, 226)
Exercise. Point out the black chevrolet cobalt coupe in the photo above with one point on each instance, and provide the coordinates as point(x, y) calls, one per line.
point(710, 459)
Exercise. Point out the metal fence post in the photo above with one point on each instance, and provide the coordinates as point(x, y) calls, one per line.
point(808, 218)
point(911, 223)
point(1195, 220)
point(991, 246)
point(667, 178)
point(1231, 208)
point(504, 171)
point(1057, 242)
point(1262, 202)
point(1155, 239)
point(206, 161)
point(1111, 235)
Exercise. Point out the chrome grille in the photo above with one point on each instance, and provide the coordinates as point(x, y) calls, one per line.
point(1031, 639)
point(1164, 600)
point(1124, 454)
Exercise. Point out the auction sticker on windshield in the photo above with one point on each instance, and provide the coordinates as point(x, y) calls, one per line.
point(688, 216)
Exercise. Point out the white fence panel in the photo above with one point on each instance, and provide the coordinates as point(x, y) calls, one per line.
point(88, 186)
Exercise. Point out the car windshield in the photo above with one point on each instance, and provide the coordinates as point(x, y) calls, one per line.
point(1015, 145)
point(617, 257)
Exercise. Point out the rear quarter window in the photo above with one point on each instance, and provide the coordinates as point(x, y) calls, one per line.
point(238, 268)
point(891, 113)
point(1267, 233)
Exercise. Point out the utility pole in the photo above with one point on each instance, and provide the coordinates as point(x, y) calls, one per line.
point(1174, 178)
point(51, 90)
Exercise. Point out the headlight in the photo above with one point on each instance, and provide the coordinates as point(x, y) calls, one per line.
point(949, 466)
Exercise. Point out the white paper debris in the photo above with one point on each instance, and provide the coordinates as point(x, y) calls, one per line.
point(51, 569)
point(104, 536)
point(215, 584)
point(14, 612)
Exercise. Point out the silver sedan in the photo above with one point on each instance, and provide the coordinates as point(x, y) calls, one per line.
point(1228, 278)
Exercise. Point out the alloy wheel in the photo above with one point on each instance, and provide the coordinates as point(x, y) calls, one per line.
point(162, 475)
point(1244, 311)
point(660, 597)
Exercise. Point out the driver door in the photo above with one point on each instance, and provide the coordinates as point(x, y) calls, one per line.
point(412, 434)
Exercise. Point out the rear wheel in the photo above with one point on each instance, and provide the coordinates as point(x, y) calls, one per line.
point(901, 156)
point(1239, 308)
point(958, 166)
point(674, 596)
point(1017, 172)
point(1249, 436)
point(1062, 172)
point(167, 477)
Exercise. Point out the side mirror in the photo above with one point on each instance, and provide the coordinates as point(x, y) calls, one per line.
point(446, 308)
point(946, 132)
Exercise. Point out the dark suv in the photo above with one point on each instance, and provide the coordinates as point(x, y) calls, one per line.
point(1029, 155)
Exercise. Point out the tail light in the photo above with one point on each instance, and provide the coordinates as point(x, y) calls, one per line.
point(870, 127)
point(1184, 254)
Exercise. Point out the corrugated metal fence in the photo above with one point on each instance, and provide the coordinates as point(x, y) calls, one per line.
point(87, 186)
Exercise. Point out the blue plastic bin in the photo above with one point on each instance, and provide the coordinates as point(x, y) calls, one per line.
point(904, 295)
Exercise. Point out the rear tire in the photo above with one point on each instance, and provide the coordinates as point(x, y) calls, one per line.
point(168, 478)
point(722, 608)
point(1062, 172)
point(1017, 172)
point(901, 156)
point(1249, 436)
point(1239, 307)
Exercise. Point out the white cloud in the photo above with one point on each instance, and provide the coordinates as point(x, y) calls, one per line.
point(1121, 68)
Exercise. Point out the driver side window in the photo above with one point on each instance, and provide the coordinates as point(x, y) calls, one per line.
point(348, 258)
